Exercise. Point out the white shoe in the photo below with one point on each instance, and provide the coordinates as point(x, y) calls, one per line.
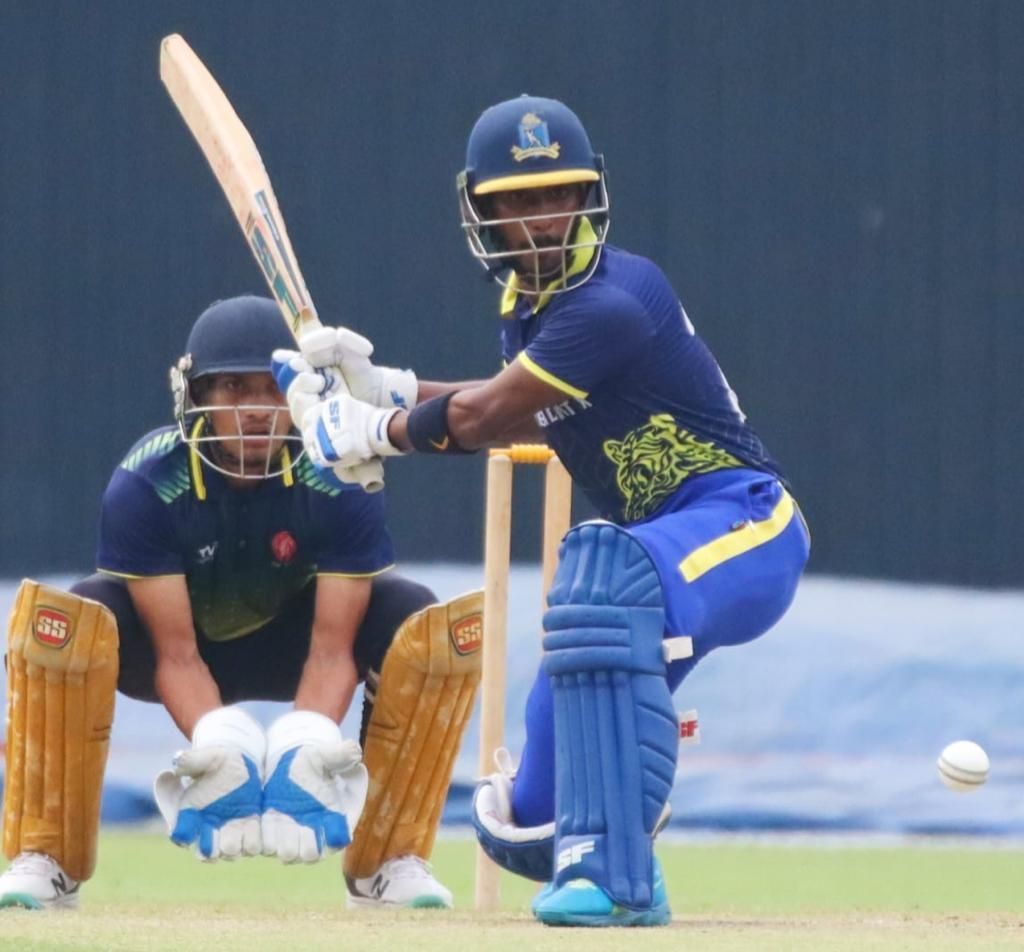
point(36, 881)
point(402, 881)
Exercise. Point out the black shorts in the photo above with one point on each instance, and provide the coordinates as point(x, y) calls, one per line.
point(265, 665)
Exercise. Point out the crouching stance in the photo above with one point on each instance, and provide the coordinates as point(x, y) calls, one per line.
point(703, 543)
point(229, 571)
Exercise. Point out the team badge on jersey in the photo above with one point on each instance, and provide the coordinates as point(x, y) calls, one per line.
point(284, 547)
point(534, 140)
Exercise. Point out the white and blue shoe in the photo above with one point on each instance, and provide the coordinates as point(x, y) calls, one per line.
point(403, 881)
point(37, 881)
point(581, 902)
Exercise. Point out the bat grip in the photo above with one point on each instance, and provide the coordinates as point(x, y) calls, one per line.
point(369, 475)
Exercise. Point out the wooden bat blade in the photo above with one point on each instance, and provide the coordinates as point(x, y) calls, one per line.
point(239, 170)
point(238, 167)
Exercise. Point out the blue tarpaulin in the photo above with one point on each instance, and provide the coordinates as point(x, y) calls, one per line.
point(831, 722)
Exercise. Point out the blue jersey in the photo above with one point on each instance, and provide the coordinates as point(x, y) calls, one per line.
point(647, 409)
point(243, 552)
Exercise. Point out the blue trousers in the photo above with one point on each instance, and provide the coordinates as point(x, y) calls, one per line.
point(729, 551)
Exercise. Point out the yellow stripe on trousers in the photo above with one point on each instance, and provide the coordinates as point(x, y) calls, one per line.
point(749, 536)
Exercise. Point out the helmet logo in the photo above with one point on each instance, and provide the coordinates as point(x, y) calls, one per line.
point(534, 140)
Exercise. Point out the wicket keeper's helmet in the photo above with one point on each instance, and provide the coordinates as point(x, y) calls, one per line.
point(531, 142)
point(234, 336)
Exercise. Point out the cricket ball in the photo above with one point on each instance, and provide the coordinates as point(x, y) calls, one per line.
point(963, 766)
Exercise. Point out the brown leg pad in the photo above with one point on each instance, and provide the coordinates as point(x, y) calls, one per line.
point(61, 679)
point(428, 684)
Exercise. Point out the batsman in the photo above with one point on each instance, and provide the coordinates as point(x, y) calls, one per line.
point(701, 543)
point(230, 570)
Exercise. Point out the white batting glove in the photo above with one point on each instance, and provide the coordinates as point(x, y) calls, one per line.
point(343, 432)
point(302, 384)
point(315, 791)
point(213, 795)
point(381, 386)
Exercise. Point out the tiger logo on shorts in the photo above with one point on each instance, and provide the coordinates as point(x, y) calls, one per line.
point(653, 460)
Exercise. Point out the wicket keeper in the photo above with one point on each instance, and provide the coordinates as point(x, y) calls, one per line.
point(701, 543)
point(229, 570)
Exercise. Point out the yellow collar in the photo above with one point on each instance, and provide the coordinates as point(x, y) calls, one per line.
point(581, 259)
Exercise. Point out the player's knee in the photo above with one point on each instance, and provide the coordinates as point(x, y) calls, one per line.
point(393, 599)
point(137, 662)
point(108, 591)
point(400, 597)
point(605, 605)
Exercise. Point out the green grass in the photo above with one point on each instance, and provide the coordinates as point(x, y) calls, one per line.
point(147, 895)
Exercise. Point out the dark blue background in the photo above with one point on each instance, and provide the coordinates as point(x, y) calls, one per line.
point(833, 187)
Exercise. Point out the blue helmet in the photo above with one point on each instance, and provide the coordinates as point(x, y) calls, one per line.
point(532, 142)
point(234, 336)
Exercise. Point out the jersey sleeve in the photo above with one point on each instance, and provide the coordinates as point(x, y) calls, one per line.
point(136, 535)
point(354, 537)
point(587, 340)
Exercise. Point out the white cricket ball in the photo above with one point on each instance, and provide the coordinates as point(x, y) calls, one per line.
point(963, 766)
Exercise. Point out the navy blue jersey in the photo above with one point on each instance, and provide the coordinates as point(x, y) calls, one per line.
point(647, 408)
point(243, 552)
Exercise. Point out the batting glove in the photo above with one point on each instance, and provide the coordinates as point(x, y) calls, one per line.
point(315, 791)
point(343, 432)
point(381, 386)
point(212, 796)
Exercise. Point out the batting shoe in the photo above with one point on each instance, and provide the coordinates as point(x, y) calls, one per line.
point(548, 889)
point(545, 893)
point(583, 903)
point(405, 881)
point(36, 881)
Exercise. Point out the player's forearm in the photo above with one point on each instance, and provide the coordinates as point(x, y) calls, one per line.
point(328, 683)
point(475, 415)
point(186, 689)
point(526, 431)
point(435, 388)
point(473, 420)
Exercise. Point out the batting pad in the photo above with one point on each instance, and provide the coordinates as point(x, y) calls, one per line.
point(428, 684)
point(61, 678)
point(616, 732)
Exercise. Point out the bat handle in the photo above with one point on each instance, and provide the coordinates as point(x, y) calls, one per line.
point(369, 475)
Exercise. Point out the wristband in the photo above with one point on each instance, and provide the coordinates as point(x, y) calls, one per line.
point(427, 427)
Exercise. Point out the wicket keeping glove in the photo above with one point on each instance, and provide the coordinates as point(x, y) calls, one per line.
point(381, 386)
point(213, 795)
point(315, 791)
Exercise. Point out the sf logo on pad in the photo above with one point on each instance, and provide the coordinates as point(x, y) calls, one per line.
point(52, 627)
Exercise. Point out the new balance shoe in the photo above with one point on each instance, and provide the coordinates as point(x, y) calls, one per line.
point(36, 881)
point(403, 881)
point(583, 903)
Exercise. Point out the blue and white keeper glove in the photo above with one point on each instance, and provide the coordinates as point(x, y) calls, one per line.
point(212, 798)
point(315, 791)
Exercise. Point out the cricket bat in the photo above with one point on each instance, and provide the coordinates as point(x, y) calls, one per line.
point(237, 166)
